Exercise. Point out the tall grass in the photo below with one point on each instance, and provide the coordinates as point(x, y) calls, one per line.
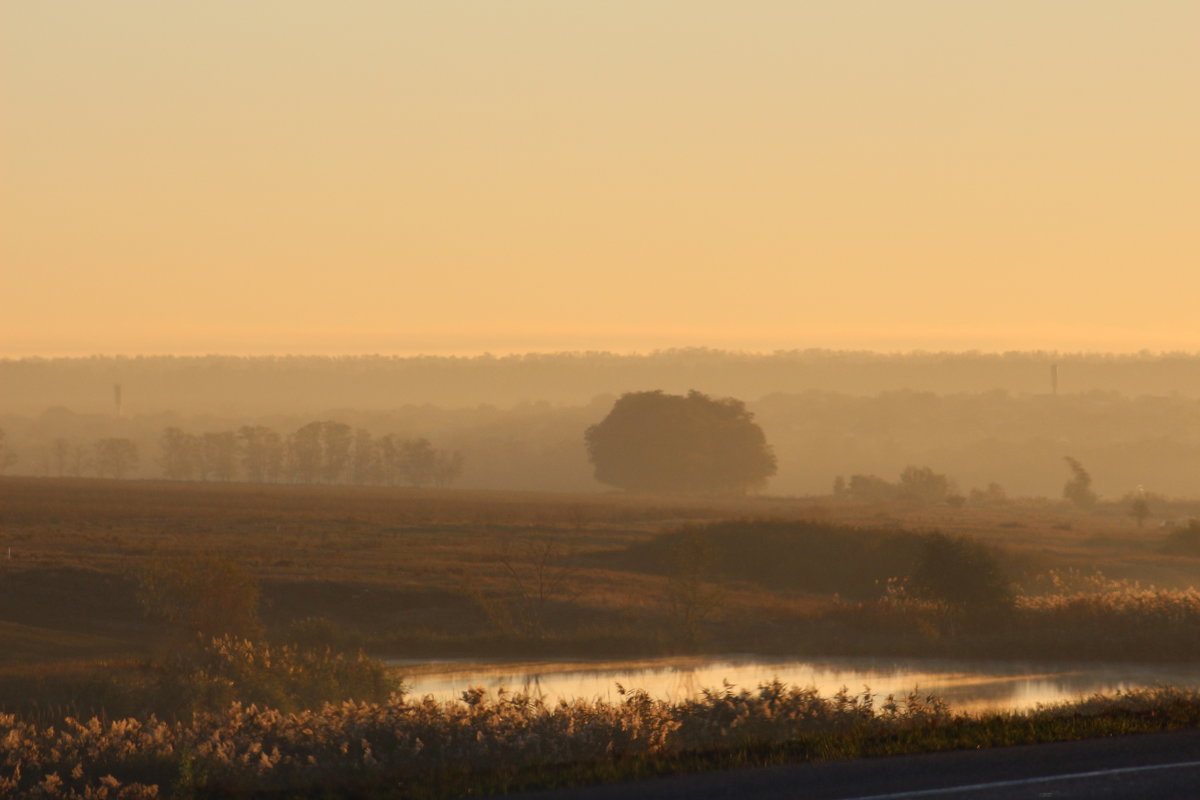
point(416, 747)
point(1068, 615)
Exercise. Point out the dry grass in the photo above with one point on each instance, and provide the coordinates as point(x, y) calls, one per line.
point(407, 747)
point(436, 572)
point(444, 572)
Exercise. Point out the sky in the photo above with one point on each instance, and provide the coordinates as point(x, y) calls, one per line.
point(507, 176)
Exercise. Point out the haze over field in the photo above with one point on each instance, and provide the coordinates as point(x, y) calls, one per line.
point(461, 177)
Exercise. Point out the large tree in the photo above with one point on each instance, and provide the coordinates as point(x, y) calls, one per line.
point(652, 441)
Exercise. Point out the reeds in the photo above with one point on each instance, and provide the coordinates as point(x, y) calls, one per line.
point(407, 746)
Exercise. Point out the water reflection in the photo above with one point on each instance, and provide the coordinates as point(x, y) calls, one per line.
point(967, 686)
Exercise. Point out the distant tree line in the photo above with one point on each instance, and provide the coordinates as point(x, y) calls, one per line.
point(1017, 441)
point(109, 457)
point(320, 452)
point(916, 485)
point(7, 456)
point(303, 385)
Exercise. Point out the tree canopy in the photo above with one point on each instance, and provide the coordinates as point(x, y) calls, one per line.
point(651, 441)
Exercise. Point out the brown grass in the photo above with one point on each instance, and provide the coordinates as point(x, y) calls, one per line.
point(428, 572)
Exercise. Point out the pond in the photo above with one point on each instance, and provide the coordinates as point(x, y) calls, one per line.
point(967, 686)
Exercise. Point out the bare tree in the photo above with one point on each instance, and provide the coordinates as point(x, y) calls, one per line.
point(692, 599)
point(539, 573)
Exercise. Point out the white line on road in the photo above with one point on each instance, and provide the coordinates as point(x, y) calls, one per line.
point(978, 787)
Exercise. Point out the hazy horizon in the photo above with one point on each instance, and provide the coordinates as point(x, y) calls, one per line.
point(448, 351)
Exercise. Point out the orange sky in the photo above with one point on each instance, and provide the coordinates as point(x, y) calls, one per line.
point(477, 176)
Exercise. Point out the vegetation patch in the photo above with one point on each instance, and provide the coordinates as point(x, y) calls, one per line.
point(419, 748)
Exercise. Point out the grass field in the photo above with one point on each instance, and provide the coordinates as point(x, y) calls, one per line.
point(445, 572)
point(329, 571)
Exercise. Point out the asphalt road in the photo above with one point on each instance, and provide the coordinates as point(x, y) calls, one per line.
point(1160, 766)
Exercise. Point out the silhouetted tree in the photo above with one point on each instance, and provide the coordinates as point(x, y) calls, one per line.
point(79, 459)
point(262, 453)
point(993, 495)
point(1139, 509)
point(962, 573)
point(923, 485)
point(651, 441)
point(871, 488)
point(178, 454)
point(1079, 488)
point(202, 592)
point(447, 468)
point(365, 467)
point(319, 452)
point(60, 451)
point(693, 599)
point(115, 457)
point(7, 456)
point(389, 448)
point(338, 440)
point(418, 462)
point(219, 453)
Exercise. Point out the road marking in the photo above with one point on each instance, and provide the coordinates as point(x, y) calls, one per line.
point(978, 787)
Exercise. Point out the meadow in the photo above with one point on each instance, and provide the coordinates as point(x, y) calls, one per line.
point(223, 636)
point(415, 573)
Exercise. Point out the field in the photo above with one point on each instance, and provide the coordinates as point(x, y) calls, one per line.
point(446, 572)
point(99, 616)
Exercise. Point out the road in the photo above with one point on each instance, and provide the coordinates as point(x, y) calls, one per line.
point(1162, 766)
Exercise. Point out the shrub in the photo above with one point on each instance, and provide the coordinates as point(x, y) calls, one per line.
point(923, 485)
point(1079, 489)
point(1185, 541)
point(216, 672)
point(203, 593)
point(962, 573)
point(993, 495)
point(806, 556)
point(871, 488)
